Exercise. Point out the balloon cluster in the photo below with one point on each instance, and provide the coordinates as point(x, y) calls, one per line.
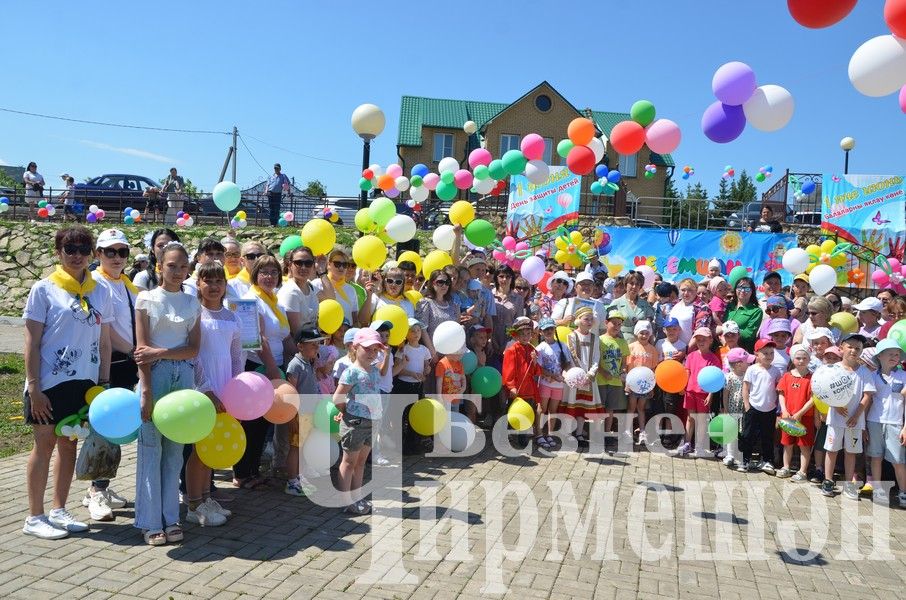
point(825, 264)
point(239, 220)
point(891, 275)
point(688, 172)
point(729, 172)
point(329, 214)
point(4, 204)
point(801, 191)
point(184, 219)
point(764, 172)
point(45, 209)
point(740, 101)
point(582, 150)
point(650, 171)
point(287, 218)
point(662, 136)
point(381, 222)
point(602, 240)
point(95, 214)
point(478, 232)
point(572, 249)
point(131, 215)
point(607, 183)
point(512, 253)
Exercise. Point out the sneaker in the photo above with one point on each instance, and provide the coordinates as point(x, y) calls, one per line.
point(702, 453)
point(215, 506)
point(799, 477)
point(817, 477)
point(867, 489)
point(827, 488)
point(729, 461)
point(720, 453)
point(379, 460)
point(293, 488)
point(784, 473)
point(683, 450)
point(356, 508)
point(901, 499)
point(205, 515)
point(365, 506)
point(114, 499)
point(60, 517)
point(851, 490)
point(767, 467)
point(41, 527)
point(742, 467)
point(880, 496)
point(99, 508)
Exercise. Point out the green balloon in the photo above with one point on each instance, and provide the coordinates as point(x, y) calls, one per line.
point(723, 429)
point(364, 184)
point(363, 221)
point(480, 172)
point(563, 147)
point(290, 243)
point(610, 188)
point(597, 188)
point(480, 232)
point(736, 274)
point(514, 162)
point(42, 203)
point(447, 177)
point(416, 181)
point(323, 417)
point(382, 210)
point(486, 381)
point(649, 175)
point(496, 169)
point(446, 191)
point(642, 112)
point(184, 416)
point(760, 177)
point(898, 334)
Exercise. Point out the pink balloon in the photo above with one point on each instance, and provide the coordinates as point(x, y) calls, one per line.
point(903, 98)
point(392, 193)
point(564, 200)
point(532, 269)
point(394, 170)
point(499, 255)
point(479, 156)
point(248, 395)
point(508, 242)
point(880, 278)
point(431, 180)
point(100, 214)
point(462, 179)
point(532, 146)
point(521, 246)
point(894, 264)
point(663, 136)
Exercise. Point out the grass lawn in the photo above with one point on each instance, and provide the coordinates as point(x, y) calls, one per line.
point(15, 435)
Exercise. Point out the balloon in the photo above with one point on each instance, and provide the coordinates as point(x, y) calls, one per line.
point(902, 98)
point(532, 269)
point(723, 429)
point(878, 67)
point(580, 131)
point(115, 413)
point(532, 146)
point(462, 179)
point(479, 157)
point(563, 148)
point(330, 315)
point(597, 146)
point(247, 396)
point(895, 16)
point(324, 417)
point(711, 379)
point(898, 334)
point(51, 211)
point(5, 207)
point(642, 112)
point(671, 376)
point(822, 279)
point(627, 137)
point(436, 259)
point(100, 214)
point(640, 380)
point(537, 172)
point(42, 212)
point(290, 243)
point(401, 183)
point(394, 170)
point(126, 439)
point(733, 83)
point(722, 123)
point(795, 260)
point(363, 220)
point(320, 451)
point(431, 180)
point(186, 416)
point(446, 191)
point(443, 237)
point(613, 176)
point(130, 220)
point(458, 434)
point(469, 362)
point(92, 393)
point(380, 211)
point(227, 196)
point(514, 162)
point(845, 322)
point(736, 274)
point(369, 252)
point(480, 173)
point(770, 108)
point(648, 273)
point(480, 232)
point(401, 228)
point(286, 403)
point(400, 320)
point(563, 333)
point(663, 136)
point(447, 164)
point(419, 194)
point(520, 415)
point(816, 14)
point(449, 337)
point(581, 160)
point(470, 127)
point(486, 381)
point(833, 384)
point(820, 406)
point(225, 445)
point(461, 213)
point(320, 236)
point(427, 416)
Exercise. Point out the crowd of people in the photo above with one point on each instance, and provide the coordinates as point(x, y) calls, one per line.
point(168, 327)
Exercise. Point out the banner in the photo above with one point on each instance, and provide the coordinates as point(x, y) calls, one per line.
point(680, 253)
point(535, 209)
point(868, 210)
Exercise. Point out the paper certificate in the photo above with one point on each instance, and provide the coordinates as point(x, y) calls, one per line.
point(249, 330)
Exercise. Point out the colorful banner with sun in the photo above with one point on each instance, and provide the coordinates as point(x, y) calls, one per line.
point(867, 210)
point(536, 209)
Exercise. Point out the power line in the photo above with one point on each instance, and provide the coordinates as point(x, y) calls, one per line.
point(121, 125)
point(247, 149)
point(302, 154)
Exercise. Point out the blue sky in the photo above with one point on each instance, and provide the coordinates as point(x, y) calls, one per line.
point(291, 73)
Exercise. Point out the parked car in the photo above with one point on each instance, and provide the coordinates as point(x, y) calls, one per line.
point(809, 217)
point(647, 224)
point(346, 208)
point(117, 191)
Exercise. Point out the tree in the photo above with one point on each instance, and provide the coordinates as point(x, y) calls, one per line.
point(189, 189)
point(742, 190)
point(694, 210)
point(726, 203)
point(8, 182)
point(315, 189)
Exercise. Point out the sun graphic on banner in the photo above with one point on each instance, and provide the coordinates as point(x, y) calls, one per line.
point(731, 242)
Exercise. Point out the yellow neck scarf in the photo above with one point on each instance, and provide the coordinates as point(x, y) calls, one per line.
point(271, 301)
point(242, 276)
point(122, 279)
point(338, 287)
point(66, 282)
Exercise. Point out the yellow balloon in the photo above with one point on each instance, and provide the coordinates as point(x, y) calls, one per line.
point(225, 445)
point(560, 243)
point(436, 259)
point(369, 252)
point(575, 260)
point(427, 416)
point(400, 320)
point(561, 256)
point(520, 415)
point(330, 315)
point(412, 257)
point(813, 249)
point(575, 237)
point(562, 332)
point(385, 237)
point(92, 393)
point(413, 297)
point(319, 235)
point(827, 246)
point(838, 261)
point(585, 247)
point(363, 221)
point(462, 213)
point(241, 215)
point(845, 322)
point(821, 406)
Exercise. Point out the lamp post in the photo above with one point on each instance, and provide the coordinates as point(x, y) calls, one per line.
point(846, 144)
point(368, 122)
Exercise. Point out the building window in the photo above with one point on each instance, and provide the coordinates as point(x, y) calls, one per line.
point(548, 150)
point(508, 142)
point(543, 102)
point(628, 165)
point(443, 146)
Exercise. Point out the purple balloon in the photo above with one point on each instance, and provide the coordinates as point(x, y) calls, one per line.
point(734, 83)
point(722, 123)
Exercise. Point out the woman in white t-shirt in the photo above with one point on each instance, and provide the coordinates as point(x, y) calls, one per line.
point(336, 287)
point(391, 292)
point(34, 187)
point(297, 296)
point(67, 351)
point(148, 279)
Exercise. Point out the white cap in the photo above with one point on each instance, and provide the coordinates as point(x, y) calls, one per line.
point(870, 303)
point(730, 327)
point(714, 264)
point(584, 276)
point(641, 326)
point(845, 301)
point(110, 237)
point(819, 332)
point(563, 276)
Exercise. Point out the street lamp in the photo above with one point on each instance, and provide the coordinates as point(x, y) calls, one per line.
point(846, 144)
point(368, 122)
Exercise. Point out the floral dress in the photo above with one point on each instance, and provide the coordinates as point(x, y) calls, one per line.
point(327, 355)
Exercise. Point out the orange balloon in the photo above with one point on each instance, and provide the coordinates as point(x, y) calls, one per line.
point(671, 376)
point(386, 182)
point(627, 137)
point(286, 403)
point(581, 131)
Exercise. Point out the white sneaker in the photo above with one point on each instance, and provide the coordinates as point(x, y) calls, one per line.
point(60, 517)
point(702, 453)
point(99, 508)
point(683, 450)
point(41, 527)
point(205, 515)
point(215, 505)
point(768, 468)
point(643, 438)
point(114, 499)
point(380, 460)
point(729, 461)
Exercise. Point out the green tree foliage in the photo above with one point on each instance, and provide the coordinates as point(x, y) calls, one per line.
point(8, 182)
point(315, 189)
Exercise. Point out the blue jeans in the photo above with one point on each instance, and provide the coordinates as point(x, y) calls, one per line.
point(160, 459)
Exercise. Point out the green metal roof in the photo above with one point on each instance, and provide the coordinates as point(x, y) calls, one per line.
point(417, 112)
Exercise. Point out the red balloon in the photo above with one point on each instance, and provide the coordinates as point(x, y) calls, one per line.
point(895, 16)
point(627, 137)
point(368, 174)
point(816, 14)
point(542, 285)
point(42, 212)
point(581, 160)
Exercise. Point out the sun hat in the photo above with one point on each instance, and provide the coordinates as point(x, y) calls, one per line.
point(583, 277)
point(779, 326)
point(819, 332)
point(546, 323)
point(613, 313)
point(641, 326)
point(367, 337)
point(739, 355)
point(799, 348)
point(870, 303)
point(731, 327)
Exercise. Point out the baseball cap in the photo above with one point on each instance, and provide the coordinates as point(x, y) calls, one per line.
point(546, 323)
point(309, 335)
point(663, 289)
point(110, 237)
point(702, 332)
point(739, 355)
point(730, 327)
point(641, 326)
point(799, 348)
point(779, 326)
point(381, 325)
point(819, 332)
point(671, 322)
point(854, 336)
point(870, 303)
point(367, 338)
point(521, 323)
point(474, 285)
point(764, 344)
point(835, 350)
point(801, 277)
point(473, 260)
point(611, 314)
point(349, 336)
point(413, 322)
point(868, 355)
point(477, 328)
point(584, 276)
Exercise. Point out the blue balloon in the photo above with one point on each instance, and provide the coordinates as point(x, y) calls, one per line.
point(808, 187)
point(613, 177)
point(469, 362)
point(115, 413)
point(420, 170)
point(604, 249)
point(4, 200)
point(685, 176)
point(127, 210)
point(125, 439)
point(597, 188)
point(601, 171)
point(711, 379)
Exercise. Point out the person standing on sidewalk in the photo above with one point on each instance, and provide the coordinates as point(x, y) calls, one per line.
point(34, 187)
point(173, 187)
point(276, 183)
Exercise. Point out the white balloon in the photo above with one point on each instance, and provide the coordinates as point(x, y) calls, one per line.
point(443, 237)
point(833, 384)
point(449, 337)
point(795, 260)
point(447, 163)
point(648, 273)
point(640, 380)
point(878, 67)
point(420, 193)
point(484, 186)
point(536, 171)
point(320, 451)
point(402, 183)
point(51, 211)
point(470, 127)
point(401, 228)
point(190, 221)
point(411, 203)
point(597, 146)
point(770, 108)
point(822, 278)
point(377, 170)
point(93, 208)
point(458, 434)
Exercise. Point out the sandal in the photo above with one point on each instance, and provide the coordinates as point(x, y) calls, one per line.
point(155, 537)
point(173, 533)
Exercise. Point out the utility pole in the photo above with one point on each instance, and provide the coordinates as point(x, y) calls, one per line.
point(235, 148)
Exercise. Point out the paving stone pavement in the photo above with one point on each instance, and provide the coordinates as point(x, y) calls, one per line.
point(278, 546)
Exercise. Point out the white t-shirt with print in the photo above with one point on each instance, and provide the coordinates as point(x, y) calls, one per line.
point(865, 382)
point(273, 331)
point(416, 357)
point(667, 350)
point(887, 403)
point(120, 297)
point(762, 387)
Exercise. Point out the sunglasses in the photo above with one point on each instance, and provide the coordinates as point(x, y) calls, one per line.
point(743, 289)
point(771, 309)
point(339, 264)
point(523, 287)
point(304, 262)
point(83, 249)
point(442, 281)
point(813, 313)
point(252, 256)
point(113, 252)
point(395, 281)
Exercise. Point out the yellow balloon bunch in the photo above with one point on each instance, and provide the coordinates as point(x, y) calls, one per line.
point(572, 249)
point(828, 253)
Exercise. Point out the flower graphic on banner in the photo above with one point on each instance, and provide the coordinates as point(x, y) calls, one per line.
point(731, 242)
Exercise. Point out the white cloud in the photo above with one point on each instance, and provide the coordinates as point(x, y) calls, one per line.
point(130, 151)
point(3, 163)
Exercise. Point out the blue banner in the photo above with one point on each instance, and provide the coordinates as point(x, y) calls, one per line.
point(680, 253)
point(868, 210)
point(535, 209)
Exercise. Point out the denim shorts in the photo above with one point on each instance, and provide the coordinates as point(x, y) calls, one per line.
point(355, 432)
point(884, 442)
